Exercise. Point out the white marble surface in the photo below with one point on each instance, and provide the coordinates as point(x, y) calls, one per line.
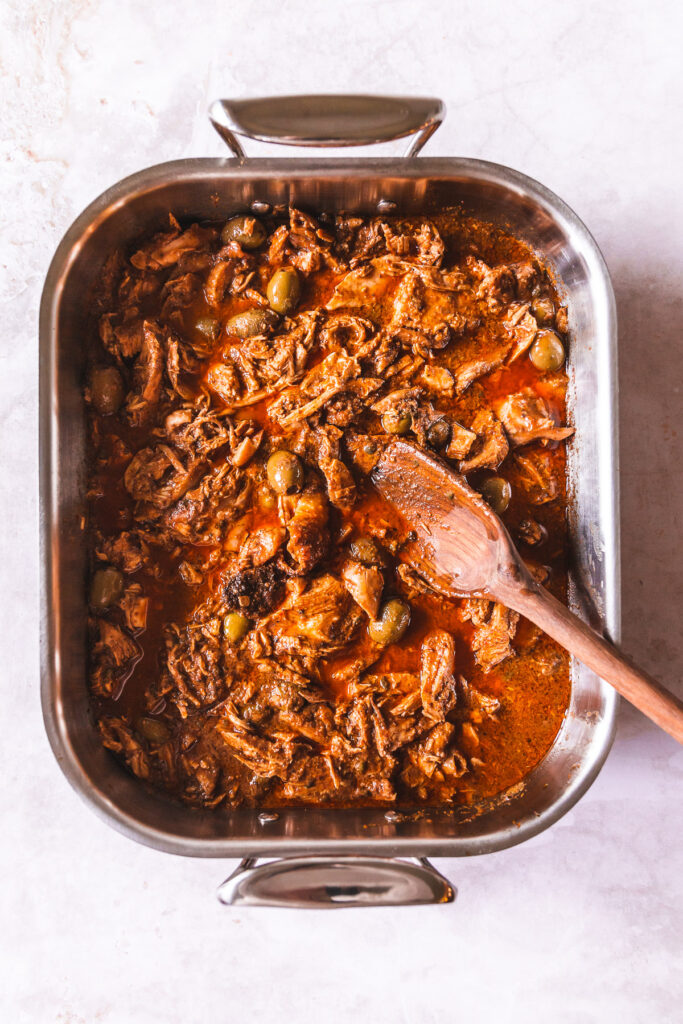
point(581, 924)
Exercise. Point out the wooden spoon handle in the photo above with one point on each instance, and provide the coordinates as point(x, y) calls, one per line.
point(600, 655)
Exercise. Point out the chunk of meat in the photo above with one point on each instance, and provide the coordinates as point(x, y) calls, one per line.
point(127, 551)
point(225, 381)
point(157, 477)
point(343, 331)
point(180, 362)
point(341, 487)
point(113, 656)
point(262, 756)
point(220, 276)
point(323, 619)
point(528, 276)
point(437, 683)
point(424, 245)
point(364, 286)
point(494, 629)
point(263, 365)
point(477, 355)
point(438, 379)
point(537, 475)
point(245, 448)
point(135, 605)
point(480, 706)
point(460, 442)
point(190, 574)
point(469, 371)
point(178, 292)
point(202, 773)
point(137, 288)
point(497, 286)
point(167, 248)
point(125, 341)
point(197, 429)
point(365, 584)
point(525, 418)
point(431, 753)
point(522, 328)
point(311, 245)
point(432, 311)
point(490, 447)
point(400, 401)
point(321, 384)
point(202, 515)
point(323, 446)
point(308, 536)
point(350, 403)
point(262, 545)
point(118, 737)
point(195, 671)
point(148, 372)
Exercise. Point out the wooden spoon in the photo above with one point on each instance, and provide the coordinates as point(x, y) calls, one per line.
point(463, 549)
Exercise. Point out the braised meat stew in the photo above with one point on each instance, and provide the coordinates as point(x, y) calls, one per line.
point(255, 637)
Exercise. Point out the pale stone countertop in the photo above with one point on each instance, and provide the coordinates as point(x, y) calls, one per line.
point(580, 924)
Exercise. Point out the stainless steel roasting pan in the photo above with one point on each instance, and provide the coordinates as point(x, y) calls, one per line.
point(318, 857)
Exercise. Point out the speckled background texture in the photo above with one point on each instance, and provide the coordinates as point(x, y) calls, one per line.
point(581, 924)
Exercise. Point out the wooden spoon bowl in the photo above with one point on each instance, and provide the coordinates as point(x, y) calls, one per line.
point(462, 549)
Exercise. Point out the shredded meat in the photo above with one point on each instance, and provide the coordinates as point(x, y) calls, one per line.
point(437, 683)
point(113, 656)
point(525, 418)
point(317, 388)
point(257, 638)
point(147, 377)
point(202, 514)
point(490, 446)
point(364, 583)
point(307, 532)
point(494, 629)
point(157, 476)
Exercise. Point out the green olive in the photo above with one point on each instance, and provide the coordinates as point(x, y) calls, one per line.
point(284, 290)
point(208, 326)
point(547, 351)
point(438, 434)
point(395, 422)
point(364, 550)
point(106, 587)
point(252, 322)
point(246, 231)
point(543, 309)
point(154, 730)
point(285, 472)
point(497, 492)
point(391, 624)
point(106, 390)
point(235, 626)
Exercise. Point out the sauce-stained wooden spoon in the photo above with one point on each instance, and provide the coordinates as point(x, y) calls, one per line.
point(462, 548)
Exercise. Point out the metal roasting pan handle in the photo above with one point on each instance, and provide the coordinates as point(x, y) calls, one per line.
point(328, 882)
point(327, 121)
